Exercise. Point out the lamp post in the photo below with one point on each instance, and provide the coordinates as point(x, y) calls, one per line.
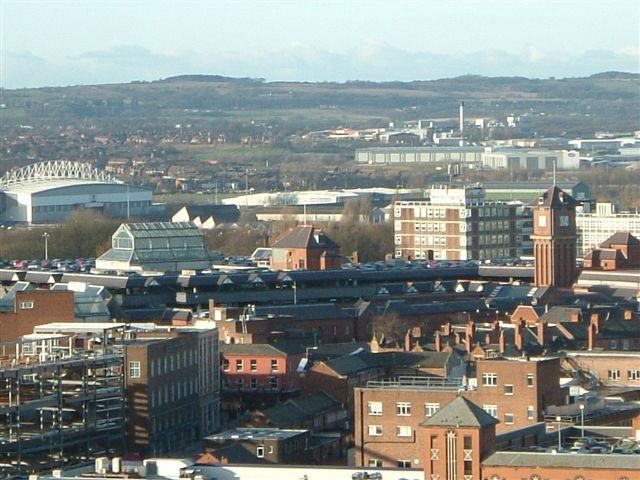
point(582, 420)
point(559, 419)
point(45, 235)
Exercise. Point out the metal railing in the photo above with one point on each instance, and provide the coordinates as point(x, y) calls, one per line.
point(417, 383)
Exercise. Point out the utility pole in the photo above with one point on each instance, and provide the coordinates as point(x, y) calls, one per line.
point(45, 235)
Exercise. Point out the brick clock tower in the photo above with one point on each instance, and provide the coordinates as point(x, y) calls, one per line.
point(554, 238)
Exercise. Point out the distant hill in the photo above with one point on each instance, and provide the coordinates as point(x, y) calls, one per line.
point(607, 100)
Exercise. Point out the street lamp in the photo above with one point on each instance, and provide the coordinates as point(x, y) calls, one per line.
point(582, 420)
point(559, 419)
point(45, 235)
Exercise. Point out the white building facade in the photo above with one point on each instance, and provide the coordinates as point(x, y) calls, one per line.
point(595, 227)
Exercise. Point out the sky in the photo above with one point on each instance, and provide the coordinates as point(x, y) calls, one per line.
point(52, 43)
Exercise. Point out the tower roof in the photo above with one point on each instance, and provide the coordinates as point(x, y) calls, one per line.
point(460, 413)
point(553, 197)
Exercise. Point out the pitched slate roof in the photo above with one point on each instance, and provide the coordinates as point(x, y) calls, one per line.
point(553, 197)
point(620, 238)
point(305, 236)
point(460, 413)
point(563, 460)
point(359, 362)
point(299, 410)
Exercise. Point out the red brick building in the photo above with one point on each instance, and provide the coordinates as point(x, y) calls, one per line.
point(256, 375)
point(305, 248)
point(32, 307)
point(621, 251)
point(388, 414)
point(460, 442)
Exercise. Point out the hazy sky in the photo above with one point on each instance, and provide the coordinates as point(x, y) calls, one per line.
point(61, 43)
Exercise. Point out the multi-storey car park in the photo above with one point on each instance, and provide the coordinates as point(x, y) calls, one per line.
point(59, 406)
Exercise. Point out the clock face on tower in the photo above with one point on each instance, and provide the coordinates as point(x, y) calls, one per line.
point(564, 220)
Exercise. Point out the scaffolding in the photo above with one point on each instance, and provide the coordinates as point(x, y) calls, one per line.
point(60, 406)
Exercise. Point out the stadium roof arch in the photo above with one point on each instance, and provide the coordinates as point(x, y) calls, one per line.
point(54, 172)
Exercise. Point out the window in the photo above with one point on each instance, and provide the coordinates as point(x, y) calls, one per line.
point(375, 430)
point(374, 408)
point(239, 365)
point(633, 374)
point(614, 374)
point(508, 389)
point(274, 365)
point(403, 431)
point(260, 451)
point(530, 380)
point(239, 383)
point(403, 409)
point(225, 365)
point(134, 369)
point(542, 221)
point(508, 418)
point(26, 305)
point(404, 463)
point(375, 462)
point(254, 383)
point(490, 379)
point(491, 410)
point(531, 412)
point(273, 383)
point(431, 408)
point(253, 365)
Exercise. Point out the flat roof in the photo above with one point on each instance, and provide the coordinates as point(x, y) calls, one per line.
point(42, 186)
point(563, 460)
point(256, 434)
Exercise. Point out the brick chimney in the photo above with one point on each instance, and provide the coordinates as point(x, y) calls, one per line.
point(595, 320)
point(438, 341)
point(591, 334)
point(501, 342)
point(469, 331)
point(575, 317)
point(541, 332)
point(408, 341)
point(628, 315)
point(518, 335)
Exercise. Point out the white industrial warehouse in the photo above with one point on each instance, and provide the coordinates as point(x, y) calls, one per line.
point(48, 192)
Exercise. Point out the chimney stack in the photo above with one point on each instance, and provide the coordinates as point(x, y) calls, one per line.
point(518, 336)
point(407, 341)
point(541, 332)
point(438, 342)
point(446, 328)
point(462, 119)
point(591, 334)
point(501, 342)
point(595, 320)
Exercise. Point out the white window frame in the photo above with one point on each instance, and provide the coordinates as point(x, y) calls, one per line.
point(403, 409)
point(404, 431)
point(374, 408)
point(491, 410)
point(135, 370)
point(431, 409)
point(375, 430)
point(26, 305)
point(260, 451)
point(489, 379)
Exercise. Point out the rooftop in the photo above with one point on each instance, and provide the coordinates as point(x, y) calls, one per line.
point(256, 434)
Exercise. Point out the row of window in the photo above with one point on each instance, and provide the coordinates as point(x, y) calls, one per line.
point(401, 431)
point(509, 417)
point(253, 383)
point(173, 392)
point(490, 379)
point(403, 409)
point(172, 362)
point(614, 374)
point(253, 365)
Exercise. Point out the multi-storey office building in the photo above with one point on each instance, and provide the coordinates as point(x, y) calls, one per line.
point(455, 223)
point(171, 401)
point(388, 413)
point(595, 227)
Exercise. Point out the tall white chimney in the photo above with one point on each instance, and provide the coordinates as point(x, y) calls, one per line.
point(462, 119)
